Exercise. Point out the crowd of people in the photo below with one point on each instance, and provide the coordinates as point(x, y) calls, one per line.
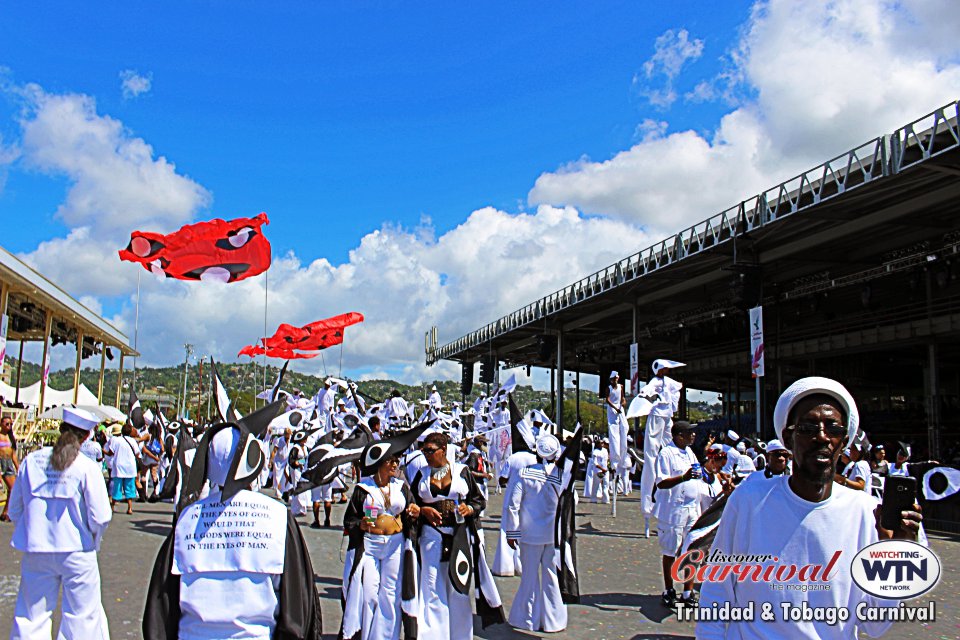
point(415, 485)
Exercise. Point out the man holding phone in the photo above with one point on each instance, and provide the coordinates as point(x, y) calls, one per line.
point(796, 520)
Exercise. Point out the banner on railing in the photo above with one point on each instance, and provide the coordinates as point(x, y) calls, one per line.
point(634, 368)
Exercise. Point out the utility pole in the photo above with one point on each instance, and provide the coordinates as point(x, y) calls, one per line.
point(200, 385)
point(188, 351)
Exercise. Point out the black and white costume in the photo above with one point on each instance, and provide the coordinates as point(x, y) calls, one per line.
point(235, 564)
point(449, 558)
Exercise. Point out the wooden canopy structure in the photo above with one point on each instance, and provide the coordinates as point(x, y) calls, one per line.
point(35, 309)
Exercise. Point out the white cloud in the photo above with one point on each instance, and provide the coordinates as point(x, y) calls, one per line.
point(672, 50)
point(819, 77)
point(117, 183)
point(132, 84)
point(116, 186)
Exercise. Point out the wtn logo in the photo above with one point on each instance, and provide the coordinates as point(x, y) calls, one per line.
point(903, 570)
point(895, 569)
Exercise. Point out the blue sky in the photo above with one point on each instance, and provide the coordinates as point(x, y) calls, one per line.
point(428, 165)
point(334, 119)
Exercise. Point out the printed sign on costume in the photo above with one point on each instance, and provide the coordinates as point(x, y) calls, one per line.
point(247, 532)
point(756, 341)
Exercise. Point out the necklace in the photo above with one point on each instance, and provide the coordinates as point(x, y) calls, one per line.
point(385, 492)
point(439, 474)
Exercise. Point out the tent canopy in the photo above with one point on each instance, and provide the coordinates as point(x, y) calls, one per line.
point(30, 396)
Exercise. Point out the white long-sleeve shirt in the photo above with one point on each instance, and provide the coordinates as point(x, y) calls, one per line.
point(667, 391)
point(767, 518)
point(531, 510)
point(58, 511)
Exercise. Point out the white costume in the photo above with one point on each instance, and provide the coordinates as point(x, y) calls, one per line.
point(530, 518)
point(235, 565)
point(60, 517)
point(666, 400)
point(445, 613)
point(859, 470)
point(678, 507)
point(617, 428)
point(596, 485)
point(506, 560)
point(371, 582)
point(434, 400)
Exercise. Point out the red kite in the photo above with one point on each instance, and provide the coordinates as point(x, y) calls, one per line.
point(312, 337)
point(286, 354)
point(227, 251)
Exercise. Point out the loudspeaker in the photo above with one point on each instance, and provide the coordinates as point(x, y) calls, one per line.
point(466, 378)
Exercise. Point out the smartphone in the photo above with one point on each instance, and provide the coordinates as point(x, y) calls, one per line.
point(899, 494)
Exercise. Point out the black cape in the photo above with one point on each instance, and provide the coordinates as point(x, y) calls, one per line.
point(299, 615)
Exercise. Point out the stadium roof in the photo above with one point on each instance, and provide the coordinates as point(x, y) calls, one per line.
point(857, 216)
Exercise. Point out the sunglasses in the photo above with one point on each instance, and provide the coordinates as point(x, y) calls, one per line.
point(429, 451)
point(832, 429)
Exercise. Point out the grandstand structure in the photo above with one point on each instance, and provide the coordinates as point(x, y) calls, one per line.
point(856, 263)
point(34, 309)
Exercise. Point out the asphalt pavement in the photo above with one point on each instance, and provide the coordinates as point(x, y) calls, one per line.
point(619, 576)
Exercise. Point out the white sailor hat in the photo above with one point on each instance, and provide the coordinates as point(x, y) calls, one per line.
point(776, 445)
point(80, 418)
point(733, 435)
point(341, 402)
point(742, 447)
point(815, 385)
point(547, 446)
point(614, 374)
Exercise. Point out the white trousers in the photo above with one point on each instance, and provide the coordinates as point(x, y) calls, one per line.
point(619, 457)
point(446, 614)
point(41, 577)
point(538, 605)
point(299, 503)
point(506, 561)
point(599, 488)
point(656, 435)
point(380, 575)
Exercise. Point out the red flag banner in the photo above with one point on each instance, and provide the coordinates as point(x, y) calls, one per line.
point(285, 354)
point(306, 341)
point(227, 251)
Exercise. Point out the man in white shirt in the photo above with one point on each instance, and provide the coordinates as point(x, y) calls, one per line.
point(856, 475)
point(804, 519)
point(124, 452)
point(678, 501)
point(434, 399)
point(530, 514)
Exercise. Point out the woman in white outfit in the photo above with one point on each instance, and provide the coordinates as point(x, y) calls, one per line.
point(60, 507)
point(377, 521)
point(451, 554)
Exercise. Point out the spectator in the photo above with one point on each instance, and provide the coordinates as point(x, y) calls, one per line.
point(9, 465)
point(124, 453)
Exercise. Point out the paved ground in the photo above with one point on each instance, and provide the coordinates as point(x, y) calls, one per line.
point(620, 578)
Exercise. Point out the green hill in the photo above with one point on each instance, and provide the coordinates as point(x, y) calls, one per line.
point(244, 381)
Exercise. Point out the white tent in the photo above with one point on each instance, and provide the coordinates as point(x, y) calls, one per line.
point(104, 412)
point(30, 396)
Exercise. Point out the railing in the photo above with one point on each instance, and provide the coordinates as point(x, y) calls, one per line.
point(876, 158)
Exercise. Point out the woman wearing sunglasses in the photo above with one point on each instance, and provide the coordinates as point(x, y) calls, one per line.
point(448, 539)
point(378, 520)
